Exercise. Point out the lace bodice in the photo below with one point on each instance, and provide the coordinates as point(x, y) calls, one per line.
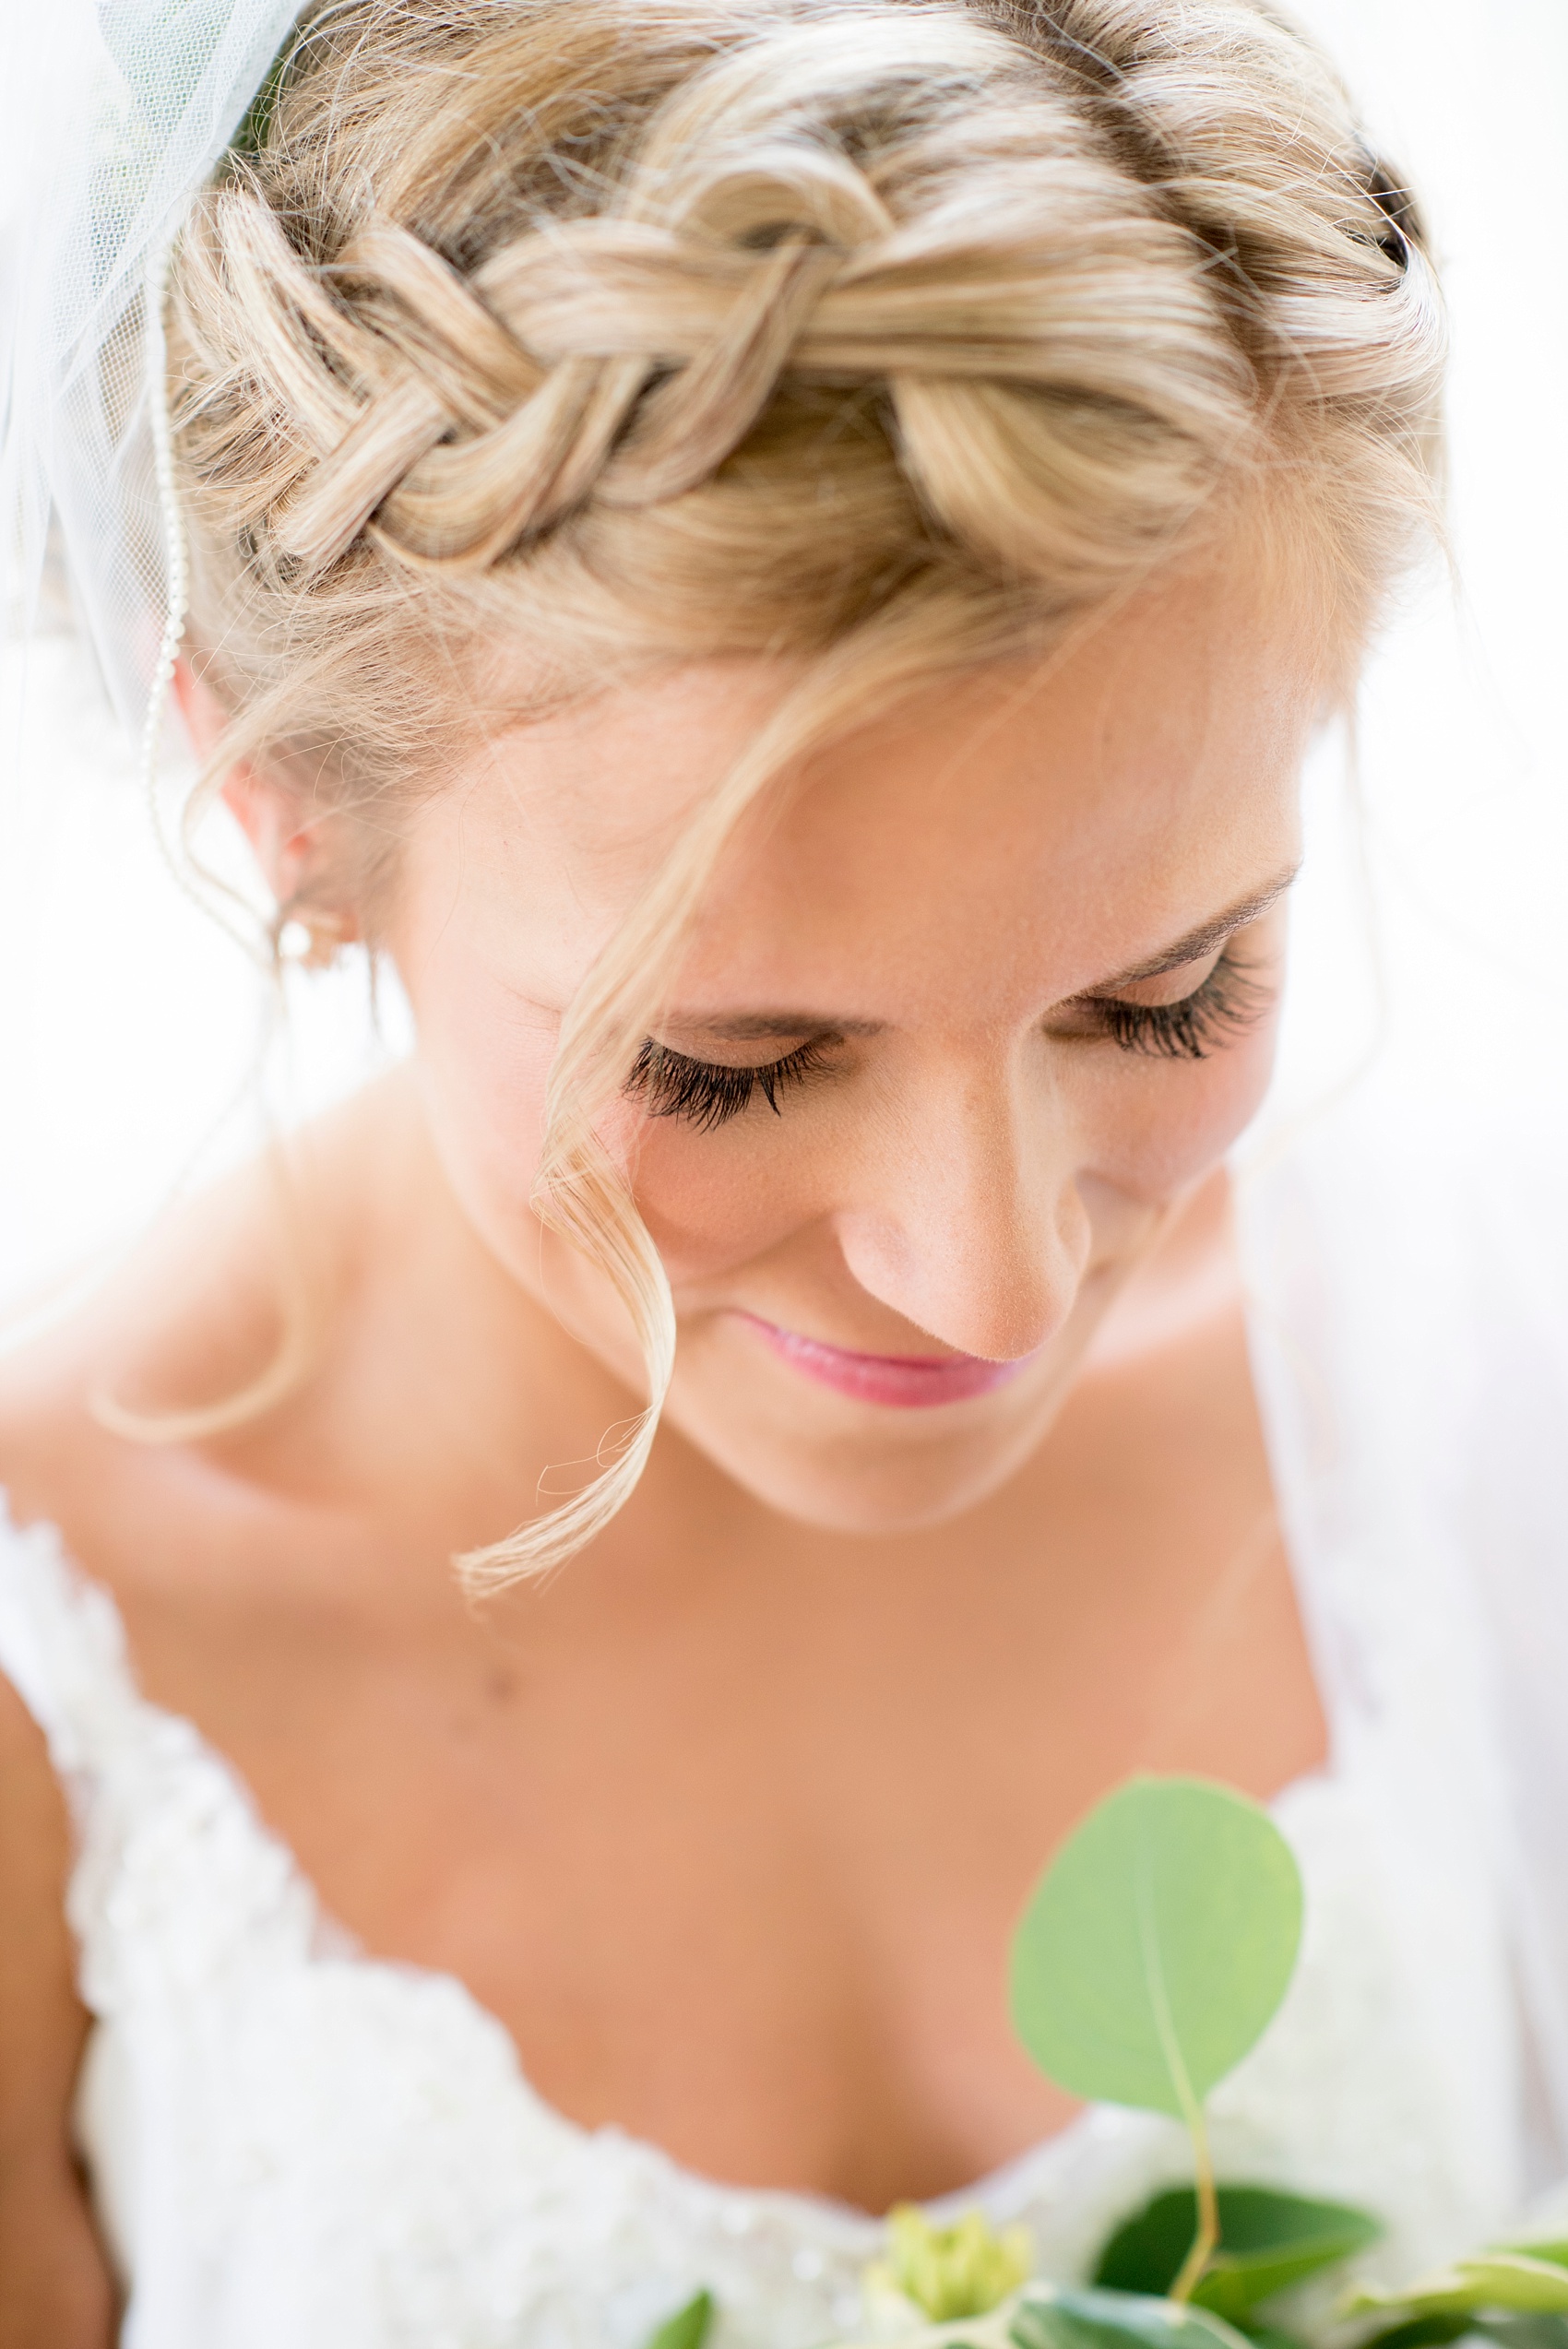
point(294, 2144)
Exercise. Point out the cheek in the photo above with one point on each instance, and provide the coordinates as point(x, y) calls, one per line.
point(1161, 1126)
point(714, 1200)
point(484, 1061)
point(1148, 1129)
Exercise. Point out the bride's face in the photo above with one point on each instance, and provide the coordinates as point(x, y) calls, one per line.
point(964, 1013)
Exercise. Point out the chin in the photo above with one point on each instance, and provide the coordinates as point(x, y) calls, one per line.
point(894, 1479)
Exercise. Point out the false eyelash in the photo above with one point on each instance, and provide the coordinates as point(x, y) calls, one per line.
point(1228, 1002)
point(706, 1092)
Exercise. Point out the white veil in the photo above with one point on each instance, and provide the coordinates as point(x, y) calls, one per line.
point(113, 115)
point(1417, 1249)
point(128, 1022)
point(118, 1011)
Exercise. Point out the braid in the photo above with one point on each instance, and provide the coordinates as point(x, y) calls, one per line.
point(458, 415)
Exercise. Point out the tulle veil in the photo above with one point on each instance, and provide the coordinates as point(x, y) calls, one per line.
point(1403, 1204)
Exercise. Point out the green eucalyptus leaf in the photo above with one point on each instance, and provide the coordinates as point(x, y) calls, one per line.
point(1511, 2281)
point(1554, 2254)
point(1095, 2319)
point(688, 2329)
point(1513, 2332)
point(1420, 2333)
point(1525, 2333)
point(1267, 2240)
point(1519, 2280)
point(1158, 1945)
point(1273, 2336)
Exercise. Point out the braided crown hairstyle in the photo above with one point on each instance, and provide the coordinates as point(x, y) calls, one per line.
point(526, 343)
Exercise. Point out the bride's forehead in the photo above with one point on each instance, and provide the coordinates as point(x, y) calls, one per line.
point(1167, 721)
point(921, 929)
point(1179, 673)
point(918, 894)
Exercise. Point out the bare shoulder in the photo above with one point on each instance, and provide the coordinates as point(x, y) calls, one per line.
point(55, 2286)
point(92, 1403)
point(211, 1347)
point(114, 1503)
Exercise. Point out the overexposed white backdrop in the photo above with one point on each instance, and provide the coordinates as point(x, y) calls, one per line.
point(1432, 929)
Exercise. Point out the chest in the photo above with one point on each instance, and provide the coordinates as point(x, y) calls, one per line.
point(733, 1852)
point(353, 2137)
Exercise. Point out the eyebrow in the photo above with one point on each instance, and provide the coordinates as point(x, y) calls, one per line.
point(758, 1027)
point(1205, 938)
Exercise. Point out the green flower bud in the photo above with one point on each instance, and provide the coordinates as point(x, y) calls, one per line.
point(944, 2272)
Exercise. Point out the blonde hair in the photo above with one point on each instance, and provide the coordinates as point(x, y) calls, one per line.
point(523, 345)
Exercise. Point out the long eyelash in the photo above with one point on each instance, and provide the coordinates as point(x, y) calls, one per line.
point(706, 1094)
point(1230, 1000)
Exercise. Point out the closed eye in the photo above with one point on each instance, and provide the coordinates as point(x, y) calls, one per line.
point(1232, 999)
point(708, 1093)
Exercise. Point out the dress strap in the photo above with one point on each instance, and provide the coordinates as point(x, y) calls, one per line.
point(176, 1880)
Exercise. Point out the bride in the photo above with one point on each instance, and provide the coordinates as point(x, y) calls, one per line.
point(778, 565)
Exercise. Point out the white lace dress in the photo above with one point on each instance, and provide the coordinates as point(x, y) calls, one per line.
point(295, 2146)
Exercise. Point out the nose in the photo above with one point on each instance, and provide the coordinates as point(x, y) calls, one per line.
point(968, 1219)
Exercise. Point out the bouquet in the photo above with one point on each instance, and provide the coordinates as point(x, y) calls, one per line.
point(1154, 1953)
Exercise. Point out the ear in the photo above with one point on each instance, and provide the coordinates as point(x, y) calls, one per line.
point(287, 844)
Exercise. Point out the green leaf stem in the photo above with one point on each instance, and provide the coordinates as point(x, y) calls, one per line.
point(1268, 2241)
point(1154, 1952)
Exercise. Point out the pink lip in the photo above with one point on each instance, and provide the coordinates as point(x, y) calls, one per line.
point(902, 1382)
